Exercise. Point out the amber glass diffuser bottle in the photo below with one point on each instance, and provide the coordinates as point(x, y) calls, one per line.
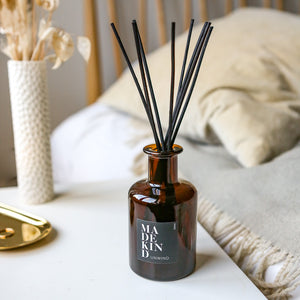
point(162, 220)
point(162, 208)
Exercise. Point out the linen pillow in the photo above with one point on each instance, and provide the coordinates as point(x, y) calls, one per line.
point(247, 93)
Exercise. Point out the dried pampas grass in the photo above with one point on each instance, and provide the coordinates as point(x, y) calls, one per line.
point(24, 37)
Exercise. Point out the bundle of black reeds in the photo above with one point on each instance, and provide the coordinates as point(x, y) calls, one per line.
point(188, 78)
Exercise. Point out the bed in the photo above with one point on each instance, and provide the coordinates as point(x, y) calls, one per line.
point(240, 138)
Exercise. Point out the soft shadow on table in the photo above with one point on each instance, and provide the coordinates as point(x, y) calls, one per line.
point(58, 195)
point(73, 196)
point(63, 196)
point(42, 243)
point(203, 259)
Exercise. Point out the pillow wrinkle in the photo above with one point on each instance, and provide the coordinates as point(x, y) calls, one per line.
point(289, 71)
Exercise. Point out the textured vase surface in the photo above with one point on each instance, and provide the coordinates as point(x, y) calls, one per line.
point(31, 125)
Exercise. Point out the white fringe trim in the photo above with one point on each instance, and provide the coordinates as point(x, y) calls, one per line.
point(251, 253)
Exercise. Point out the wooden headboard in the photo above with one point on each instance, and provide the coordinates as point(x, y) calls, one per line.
point(94, 74)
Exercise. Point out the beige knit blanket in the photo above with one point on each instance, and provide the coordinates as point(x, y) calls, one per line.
point(254, 214)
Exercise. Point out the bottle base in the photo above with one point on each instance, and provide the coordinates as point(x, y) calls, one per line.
point(159, 277)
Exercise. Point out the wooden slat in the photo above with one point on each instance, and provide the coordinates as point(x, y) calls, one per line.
point(161, 21)
point(93, 79)
point(187, 13)
point(203, 10)
point(143, 21)
point(280, 4)
point(267, 3)
point(228, 7)
point(116, 49)
point(243, 3)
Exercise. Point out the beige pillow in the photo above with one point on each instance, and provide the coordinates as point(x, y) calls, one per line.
point(247, 93)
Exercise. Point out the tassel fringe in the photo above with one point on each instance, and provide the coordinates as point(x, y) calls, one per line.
point(251, 253)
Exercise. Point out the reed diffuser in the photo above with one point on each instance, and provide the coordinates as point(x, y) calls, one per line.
point(162, 208)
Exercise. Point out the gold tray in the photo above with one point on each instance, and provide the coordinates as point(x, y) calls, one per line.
point(18, 229)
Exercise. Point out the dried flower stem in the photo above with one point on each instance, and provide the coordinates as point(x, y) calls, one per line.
point(37, 50)
point(12, 47)
point(42, 52)
point(34, 27)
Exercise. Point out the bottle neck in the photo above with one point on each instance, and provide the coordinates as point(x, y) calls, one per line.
point(162, 169)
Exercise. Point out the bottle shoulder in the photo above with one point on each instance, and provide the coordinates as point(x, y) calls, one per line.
point(145, 184)
point(145, 192)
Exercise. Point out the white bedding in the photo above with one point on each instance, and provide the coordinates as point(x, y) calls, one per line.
point(100, 143)
point(93, 146)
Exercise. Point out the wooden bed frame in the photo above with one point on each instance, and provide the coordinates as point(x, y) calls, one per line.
point(94, 76)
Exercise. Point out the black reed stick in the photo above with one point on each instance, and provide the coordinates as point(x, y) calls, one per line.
point(192, 85)
point(185, 54)
point(172, 81)
point(135, 80)
point(138, 51)
point(154, 103)
point(188, 77)
point(184, 82)
point(195, 54)
point(189, 74)
point(191, 67)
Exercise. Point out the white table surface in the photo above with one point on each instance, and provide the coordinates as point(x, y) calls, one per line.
point(86, 256)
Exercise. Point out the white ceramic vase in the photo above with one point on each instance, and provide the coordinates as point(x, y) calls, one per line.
point(31, 125)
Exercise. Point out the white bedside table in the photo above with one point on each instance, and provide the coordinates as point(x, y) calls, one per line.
point(86, 257)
